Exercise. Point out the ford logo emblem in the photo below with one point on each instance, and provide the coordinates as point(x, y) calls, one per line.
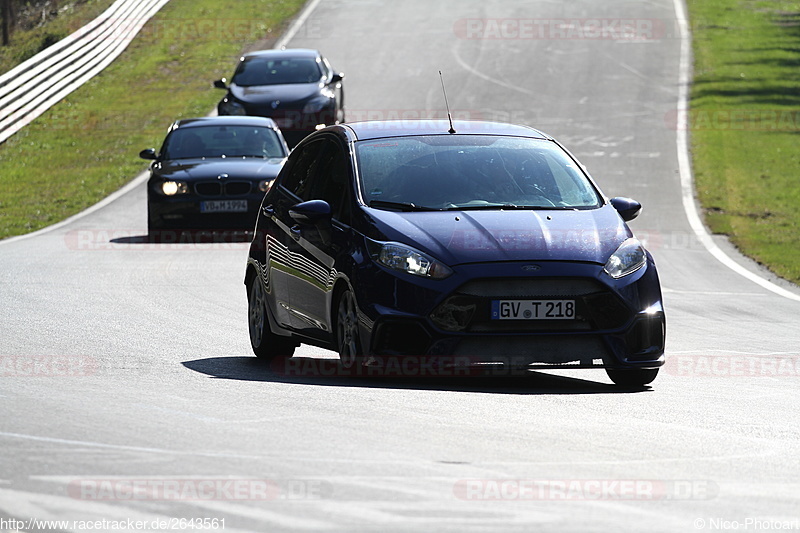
point(531, 268)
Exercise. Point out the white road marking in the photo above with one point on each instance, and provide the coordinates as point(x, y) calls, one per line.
point(685, 167)
point(297, 24)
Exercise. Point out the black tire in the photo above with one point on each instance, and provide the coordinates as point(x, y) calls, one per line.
point(632, 377)
point(348, 340)
point(266, 345)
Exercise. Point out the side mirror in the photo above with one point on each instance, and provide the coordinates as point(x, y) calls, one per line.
point(221, 84)
point(336, 78)
point(628, 209)
point(149, 154)
point(311, 212)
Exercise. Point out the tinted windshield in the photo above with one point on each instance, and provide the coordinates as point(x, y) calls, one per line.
point(264, 71)
point(471, 172)
point(218, 141)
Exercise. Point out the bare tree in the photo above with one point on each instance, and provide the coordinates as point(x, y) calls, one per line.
point(6, 22)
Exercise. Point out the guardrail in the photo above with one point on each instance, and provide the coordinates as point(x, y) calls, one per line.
point(32, 87)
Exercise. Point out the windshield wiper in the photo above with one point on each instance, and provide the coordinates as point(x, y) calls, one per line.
point(400, 206)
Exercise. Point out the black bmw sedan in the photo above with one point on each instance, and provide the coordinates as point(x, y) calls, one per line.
point(296, 87)
point(211, 173)
point(486, 243)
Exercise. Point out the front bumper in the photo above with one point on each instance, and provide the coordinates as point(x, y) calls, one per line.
point(185, 212)
point(619, 323)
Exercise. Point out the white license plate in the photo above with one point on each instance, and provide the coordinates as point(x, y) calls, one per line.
point(533, 309)
point(223, 206)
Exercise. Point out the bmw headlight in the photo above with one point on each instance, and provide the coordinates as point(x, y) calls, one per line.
point(629, 257)
point(229, 106)
point(406, 259)
point(171, 188)
point(264, 185)
point(316, 105)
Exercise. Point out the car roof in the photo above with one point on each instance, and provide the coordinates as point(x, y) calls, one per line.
point(227, 120)
point(284, 53)
point(405, 128)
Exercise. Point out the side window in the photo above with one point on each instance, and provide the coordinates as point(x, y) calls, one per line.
point(299, 179)
point(332, 182)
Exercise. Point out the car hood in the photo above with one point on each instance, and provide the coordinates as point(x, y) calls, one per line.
point(265, 94)
point(460, 237)
point(195, 169)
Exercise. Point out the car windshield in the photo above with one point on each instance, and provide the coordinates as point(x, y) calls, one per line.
point(265, 71)
point(219, 141)
point(471, 172)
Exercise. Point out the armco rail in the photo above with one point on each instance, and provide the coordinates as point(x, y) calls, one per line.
point(31, 88)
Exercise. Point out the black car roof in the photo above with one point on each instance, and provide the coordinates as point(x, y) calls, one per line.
point(405, 128)
point(227, 120)
point(286, 53)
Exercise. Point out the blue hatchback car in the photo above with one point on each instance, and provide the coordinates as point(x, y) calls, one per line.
point(478, 243)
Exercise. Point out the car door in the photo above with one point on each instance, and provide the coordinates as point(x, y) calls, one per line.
point(322, 245)
point(284, 263)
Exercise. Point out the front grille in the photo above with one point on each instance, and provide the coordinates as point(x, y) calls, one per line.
point(237, 188)
point(530, 287)
point(220, 188)
point(208, 188)
point(468, 309)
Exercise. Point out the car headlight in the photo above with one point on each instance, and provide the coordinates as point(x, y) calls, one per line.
point(406, 259)
point(229, 106)
point(629, 257)
point(264, 185)
point(171, 188)
point(316, 105)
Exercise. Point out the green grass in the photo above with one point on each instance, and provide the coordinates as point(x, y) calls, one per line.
point(87, 146)
point(745, 125)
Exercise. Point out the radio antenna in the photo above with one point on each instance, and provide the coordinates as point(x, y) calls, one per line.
point(450, 118)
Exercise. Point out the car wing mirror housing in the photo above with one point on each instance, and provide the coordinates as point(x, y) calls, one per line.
point(627, 208)
point(149, 154)
point(336, 78)
point(221, 84)
point(311, 213)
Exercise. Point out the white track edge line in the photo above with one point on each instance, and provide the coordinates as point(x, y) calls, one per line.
point(297, 24)
point(685, 167)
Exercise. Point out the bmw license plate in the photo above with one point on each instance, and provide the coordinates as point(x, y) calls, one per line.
point(533, 309)
point(223, 206)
